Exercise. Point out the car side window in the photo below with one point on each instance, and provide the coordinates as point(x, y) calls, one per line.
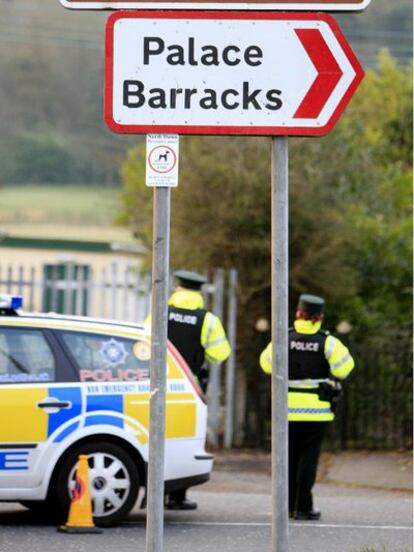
point(108, 358)
point(25, 356)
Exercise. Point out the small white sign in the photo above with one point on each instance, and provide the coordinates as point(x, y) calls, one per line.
point(162, 160)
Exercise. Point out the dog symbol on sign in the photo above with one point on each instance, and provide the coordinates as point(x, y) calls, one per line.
point(164, 156)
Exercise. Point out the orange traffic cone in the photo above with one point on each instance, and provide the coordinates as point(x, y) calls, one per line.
point(80, 512)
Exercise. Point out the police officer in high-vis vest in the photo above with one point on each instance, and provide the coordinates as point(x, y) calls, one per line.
point(316, 361)
point(199, 336)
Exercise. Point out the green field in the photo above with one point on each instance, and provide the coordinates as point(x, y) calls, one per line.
point(67, 212)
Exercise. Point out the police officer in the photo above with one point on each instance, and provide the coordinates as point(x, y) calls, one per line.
point(199, 336)
point(316, 361)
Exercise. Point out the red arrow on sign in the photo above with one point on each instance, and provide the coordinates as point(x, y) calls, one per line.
point(329, 74)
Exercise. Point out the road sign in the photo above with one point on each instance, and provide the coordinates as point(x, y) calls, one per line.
point(257, 73)
point(162, 160)
point(281, 5)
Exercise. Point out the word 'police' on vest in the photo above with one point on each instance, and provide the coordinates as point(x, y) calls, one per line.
point(183, 318)
point(301, 346)
point(137, 94)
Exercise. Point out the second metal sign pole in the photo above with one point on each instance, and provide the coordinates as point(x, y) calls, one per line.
point(159, 331)
point(280, 282)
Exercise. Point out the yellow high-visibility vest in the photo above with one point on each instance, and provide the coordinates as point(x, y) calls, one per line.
point(304, 407)
point(213, 337)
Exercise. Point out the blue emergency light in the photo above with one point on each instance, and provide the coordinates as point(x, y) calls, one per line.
point(11, 302)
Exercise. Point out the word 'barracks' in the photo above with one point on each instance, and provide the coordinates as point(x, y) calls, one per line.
point(135, 95)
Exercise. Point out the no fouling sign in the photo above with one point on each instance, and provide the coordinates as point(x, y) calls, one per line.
point(226, 73)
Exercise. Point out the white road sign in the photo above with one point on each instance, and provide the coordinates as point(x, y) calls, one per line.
point(226, 73)
point(162, 160)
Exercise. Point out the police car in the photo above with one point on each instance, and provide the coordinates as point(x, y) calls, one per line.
point(74, 385)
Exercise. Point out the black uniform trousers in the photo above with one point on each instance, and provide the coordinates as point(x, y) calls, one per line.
point(305, 440)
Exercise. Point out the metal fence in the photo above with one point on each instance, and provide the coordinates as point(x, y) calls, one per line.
point(118, 292)
point(376, 410)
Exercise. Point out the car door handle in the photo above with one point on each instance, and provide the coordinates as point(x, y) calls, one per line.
point(52, 404)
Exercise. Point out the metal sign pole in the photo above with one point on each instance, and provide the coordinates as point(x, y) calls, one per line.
point(159, 330)
point(280, 283)
point(215, 369)
point(231, 369)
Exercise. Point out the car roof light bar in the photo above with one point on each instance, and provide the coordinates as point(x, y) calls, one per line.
point(11, 302)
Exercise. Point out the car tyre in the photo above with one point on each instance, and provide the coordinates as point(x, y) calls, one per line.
point(113, 478)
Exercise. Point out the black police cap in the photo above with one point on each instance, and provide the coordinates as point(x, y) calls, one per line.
point(189, 279)
point(311, 304)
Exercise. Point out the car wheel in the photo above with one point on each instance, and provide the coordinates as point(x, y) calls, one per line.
point(113, 478)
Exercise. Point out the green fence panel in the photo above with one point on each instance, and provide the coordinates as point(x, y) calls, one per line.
point(66, 288)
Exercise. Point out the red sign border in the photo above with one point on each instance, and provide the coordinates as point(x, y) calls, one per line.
point(224, 130)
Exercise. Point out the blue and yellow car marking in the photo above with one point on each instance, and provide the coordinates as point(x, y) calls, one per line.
point(14, 460)
point(23, 421)
point(60, 418)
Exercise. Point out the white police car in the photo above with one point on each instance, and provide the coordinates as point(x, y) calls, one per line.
point(74, 385)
